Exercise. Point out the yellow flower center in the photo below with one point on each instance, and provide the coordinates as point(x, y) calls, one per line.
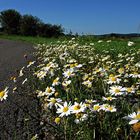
point(65, 109)
point(129, 89)
point(69, 73)
point(48, 65)
point(49, 90)
point(111, 75)
point(109, 98)
point(2, 93)
point(135, 73)
point(77, 107)
point(72, 65)
point(121, 70)
point(53, 100)
point(110, 108)
point(97, 70)
point(55, 81)
point(137, 116)
point(117, 90)
point(30, 63)
point(96, 107)
point(78, 115)
point(113, 79)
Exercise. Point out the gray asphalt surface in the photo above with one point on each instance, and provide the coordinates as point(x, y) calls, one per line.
point(12, 58)
point(15, 121)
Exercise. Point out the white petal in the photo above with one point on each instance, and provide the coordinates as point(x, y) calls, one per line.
point(133, 121)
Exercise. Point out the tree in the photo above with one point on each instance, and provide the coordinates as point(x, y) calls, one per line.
point(57, 30)
point(49, 30)
point(10, 21)
point(29, 25)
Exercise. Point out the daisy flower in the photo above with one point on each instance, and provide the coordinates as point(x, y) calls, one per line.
point(40, 93)
point(108, 108)
point(53, 102)
point(108, 98)
point(129, 90)
point(13, 78)
point(64, 110)
point(77, 108)
point(134, 117)
point(134, 75)
point(30, 63)
point(96, 107)
point(121, 70)
point(3, 94)
point(41, 74)
point(87, 83)
point(21, 72)
point(56, 82)
point(130, 43)
point(68, 73)
point(80, 117)
point(100, 41)
point(49, 91)
point(66, 83)
point(113, 80)
point(116, 90)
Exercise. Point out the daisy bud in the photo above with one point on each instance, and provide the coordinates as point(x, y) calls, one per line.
point(57, 120)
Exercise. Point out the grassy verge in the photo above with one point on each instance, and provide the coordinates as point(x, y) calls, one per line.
point(30, 39)
point(117, 45)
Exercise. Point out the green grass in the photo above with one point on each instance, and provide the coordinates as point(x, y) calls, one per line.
point(29, 39)
point(117, 45)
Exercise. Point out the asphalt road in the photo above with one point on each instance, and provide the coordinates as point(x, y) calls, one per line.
point(15, 121)
point(12, 58)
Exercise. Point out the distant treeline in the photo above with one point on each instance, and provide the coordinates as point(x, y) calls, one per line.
point(117, 35)
point(12, 22)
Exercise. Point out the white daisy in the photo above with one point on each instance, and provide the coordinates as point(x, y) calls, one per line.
point(77, 108)
point(21, 72)
point(30, 63)
point(130, 43)
point(49, 91)
point(3, 94)
point(64, 110)
point(108, 98)
point(113, 80)
point(66, 83)
point(80, 117)
point(87, 83)
point(68, 73)
point(134, 117)
point(96, 107)
point(116, 90)
point(56, 82)
point(53, 102)
point(108, 108)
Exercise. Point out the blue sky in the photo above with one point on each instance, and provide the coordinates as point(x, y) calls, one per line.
point(87, 16)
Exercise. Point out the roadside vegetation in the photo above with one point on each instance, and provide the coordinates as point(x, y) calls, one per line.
point(88, 88)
